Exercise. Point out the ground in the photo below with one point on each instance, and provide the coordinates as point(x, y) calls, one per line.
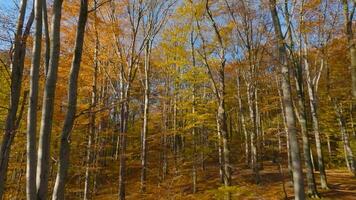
point(342, 186)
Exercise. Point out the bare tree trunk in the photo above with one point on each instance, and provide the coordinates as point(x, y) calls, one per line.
point(32, 109)
point(287, 101)
point(145, 116)
point(220, 154)
point(43, 153)
point(285, 125)
point(122, 151)
point(17, 65)
point(219, 87)
point(312, 191)
point(243, 123)
point(223, 132)
point(92, 115)
point(349, 157)
point(195, 156)
point(194, 168)
point(348, 17)
point(253, 136)
point(63, 164)
point(315, 123)
point(46, 34)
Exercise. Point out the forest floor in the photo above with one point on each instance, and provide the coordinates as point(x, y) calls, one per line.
point(342, 186)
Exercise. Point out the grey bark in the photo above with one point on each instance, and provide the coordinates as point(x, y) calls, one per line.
point(46, 35)
point(283, 114)
point(64, 152)
point(17, 65)
point(43, 152)
point(315, 122)
point(220, 93)
point(348, 17)
point(287, 101)
point(92, 114)
point(243, 123)
point(145, 115)
point(312, 191)
point(349, 157)
point(32, 109)
point(195, 156)
point(251, 97)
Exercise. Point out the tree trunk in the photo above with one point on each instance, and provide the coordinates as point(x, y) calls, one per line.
point(283, 113)
point(287, 101)
point(349, 158)
point(43, 153)
point(63, 164)
point(243, 123)
point(17, 64)
point(348, 17)
point(312, 191)
point(92, 116)
point(46, 34)
point(253, 136)
point(145, 116)
point(122, 151)
point(315, 123)
point(32, 109)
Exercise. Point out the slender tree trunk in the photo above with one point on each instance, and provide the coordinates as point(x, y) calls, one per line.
point(312, 191)
point(32, 109)
point(253, 136)
point(348, 17)
point(145, 116)
point(17, 64)
point(315, 123)
point(92, 115)
point(46, 34)
point(220, 153)
point(243, 123)
point(122, 151)
point(285, 126)
point(349, 157)
point(64, 152)
point(287, 101)
point(194, 167)
point(43, 153)
point(223, 132)
point(195, 156)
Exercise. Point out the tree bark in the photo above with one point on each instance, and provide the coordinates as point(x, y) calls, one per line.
point(243, 123)
point(46, 35)
point(312, 191)
point(64, 152)
point(17, 65)
point(349, 157)
point(43, 153)
point(348, 17)
point(32, 109)
point(287, 101)
point(92, 114)
point(315, 123)
point(145, 115)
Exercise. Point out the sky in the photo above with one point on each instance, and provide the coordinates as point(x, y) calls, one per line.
point(8, 16)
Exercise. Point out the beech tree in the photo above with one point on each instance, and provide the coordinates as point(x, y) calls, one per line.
point(178, 99)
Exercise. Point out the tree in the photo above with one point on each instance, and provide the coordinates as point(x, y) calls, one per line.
point(33, 101)
point(287, 102)
point(18, 53)
point(63, 165)
point(43, 153)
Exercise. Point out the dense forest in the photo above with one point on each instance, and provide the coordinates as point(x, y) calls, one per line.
point(177, 99)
